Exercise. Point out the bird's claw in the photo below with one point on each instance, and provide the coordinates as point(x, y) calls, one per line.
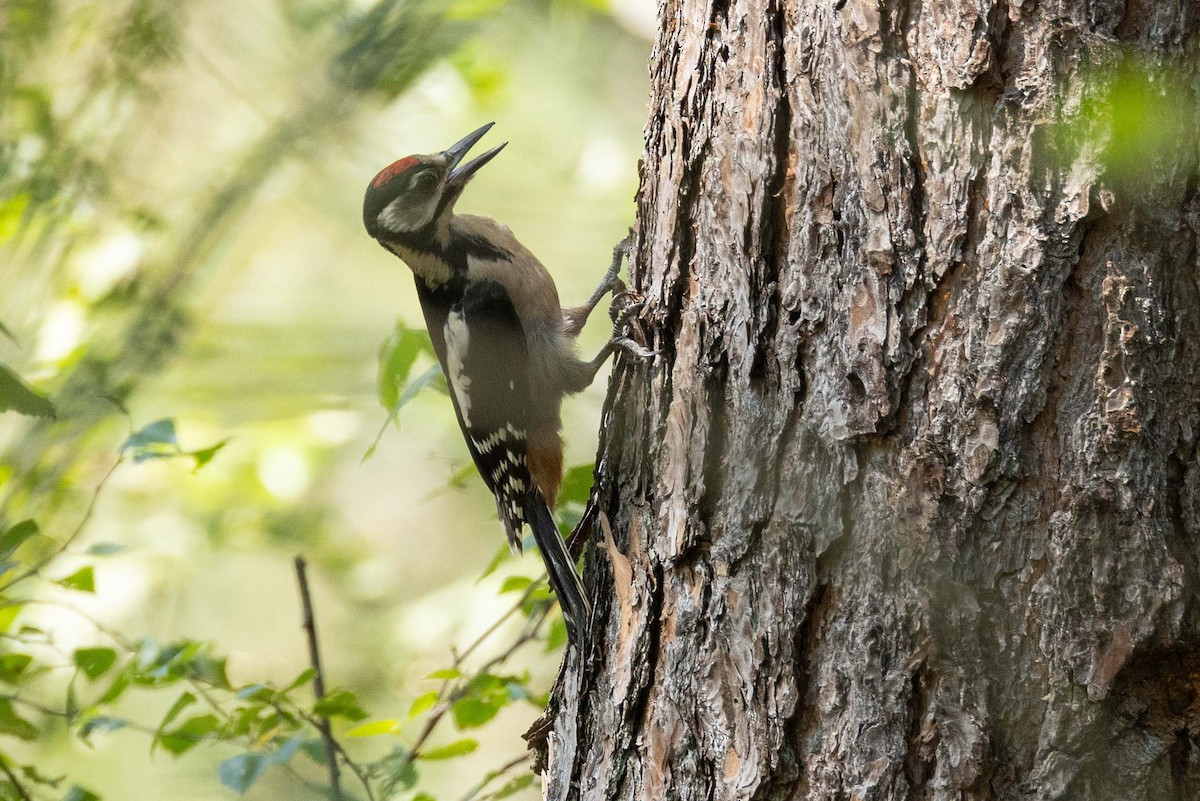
point(629, 333)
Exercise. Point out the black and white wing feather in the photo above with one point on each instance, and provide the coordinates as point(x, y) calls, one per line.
point(487, 372)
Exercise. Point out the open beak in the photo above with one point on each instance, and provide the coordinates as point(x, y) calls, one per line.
point(459, 175)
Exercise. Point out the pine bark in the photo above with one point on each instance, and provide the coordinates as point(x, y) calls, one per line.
point(909, 506)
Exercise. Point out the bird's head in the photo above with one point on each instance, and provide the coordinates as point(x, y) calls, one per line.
point(409, 197)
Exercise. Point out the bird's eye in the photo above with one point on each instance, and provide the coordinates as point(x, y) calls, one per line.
point(425, 180)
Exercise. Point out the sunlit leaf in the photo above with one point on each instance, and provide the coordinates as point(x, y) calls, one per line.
point(205, 455)
point(423, 703)
point(515, 584)
point(446, 674)
point(450, 751)
point(8, 614)
point(374, 728)
point(82, 580)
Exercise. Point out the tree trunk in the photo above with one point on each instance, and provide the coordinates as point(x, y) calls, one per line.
point(908, 507)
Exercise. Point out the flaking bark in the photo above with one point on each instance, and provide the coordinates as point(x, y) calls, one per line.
point(909, 506)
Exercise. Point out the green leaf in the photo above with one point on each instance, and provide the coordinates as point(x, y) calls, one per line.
point(77, 793)
point(239, 773)
point(8, 614)
point(209, 669)
point(115, 690)
point(450, 751)
point(205, 455)
point(288, 749)
point(471, 713)
point(16, 396)
point(106, 549)
point(556, 637)
point(446, 674)
point(399, 772)
point(189, 734)
point(12, 539)
point(4, 329)
point(155, 441)
point(101, 724)
point(12, 667)
point(340, 703)
point(502, 554)
point(95, 662)
point(396, 357)
point(423, 703)
point(429, 378)
point(14, 724)
point(374, 728)
point(81, 580)
point(255, 692)
point(514, 785)
point(303, 678)
point(577, 484)
point(181, 703)
point(515, 584)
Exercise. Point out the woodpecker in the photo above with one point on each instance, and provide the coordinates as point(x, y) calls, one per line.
point(506, 346)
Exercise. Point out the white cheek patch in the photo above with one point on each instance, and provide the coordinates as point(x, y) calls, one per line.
point(402, 215)
point(458, 339)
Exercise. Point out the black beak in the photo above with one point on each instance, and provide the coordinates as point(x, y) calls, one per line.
point(460, 175)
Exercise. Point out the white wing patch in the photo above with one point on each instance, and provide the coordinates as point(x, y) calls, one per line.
point(458, 339)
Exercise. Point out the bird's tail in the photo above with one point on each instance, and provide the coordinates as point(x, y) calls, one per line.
point(576, 610)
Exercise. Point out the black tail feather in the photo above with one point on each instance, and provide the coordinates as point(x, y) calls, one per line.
point(576, 610)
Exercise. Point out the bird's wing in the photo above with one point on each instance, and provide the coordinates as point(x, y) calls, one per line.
point(487, 371)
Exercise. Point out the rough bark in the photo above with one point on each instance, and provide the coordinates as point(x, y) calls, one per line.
point(908, 508)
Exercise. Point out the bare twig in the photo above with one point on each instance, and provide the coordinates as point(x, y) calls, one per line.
point(314, 657)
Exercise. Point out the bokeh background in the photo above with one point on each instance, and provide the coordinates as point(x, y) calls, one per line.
point(181, 238)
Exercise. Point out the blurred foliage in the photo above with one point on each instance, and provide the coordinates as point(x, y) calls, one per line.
point(1135, 116)
point(133, 157)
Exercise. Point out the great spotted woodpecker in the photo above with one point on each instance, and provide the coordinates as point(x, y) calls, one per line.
point(505, 345)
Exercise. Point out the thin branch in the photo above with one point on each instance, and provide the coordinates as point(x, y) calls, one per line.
point(446, 699)
point(12, 778)
point(62, 546)
point(496, 774)
point(314, 656)
point(354, 767)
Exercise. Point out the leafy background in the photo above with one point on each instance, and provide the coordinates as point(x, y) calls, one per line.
point(198, 346)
